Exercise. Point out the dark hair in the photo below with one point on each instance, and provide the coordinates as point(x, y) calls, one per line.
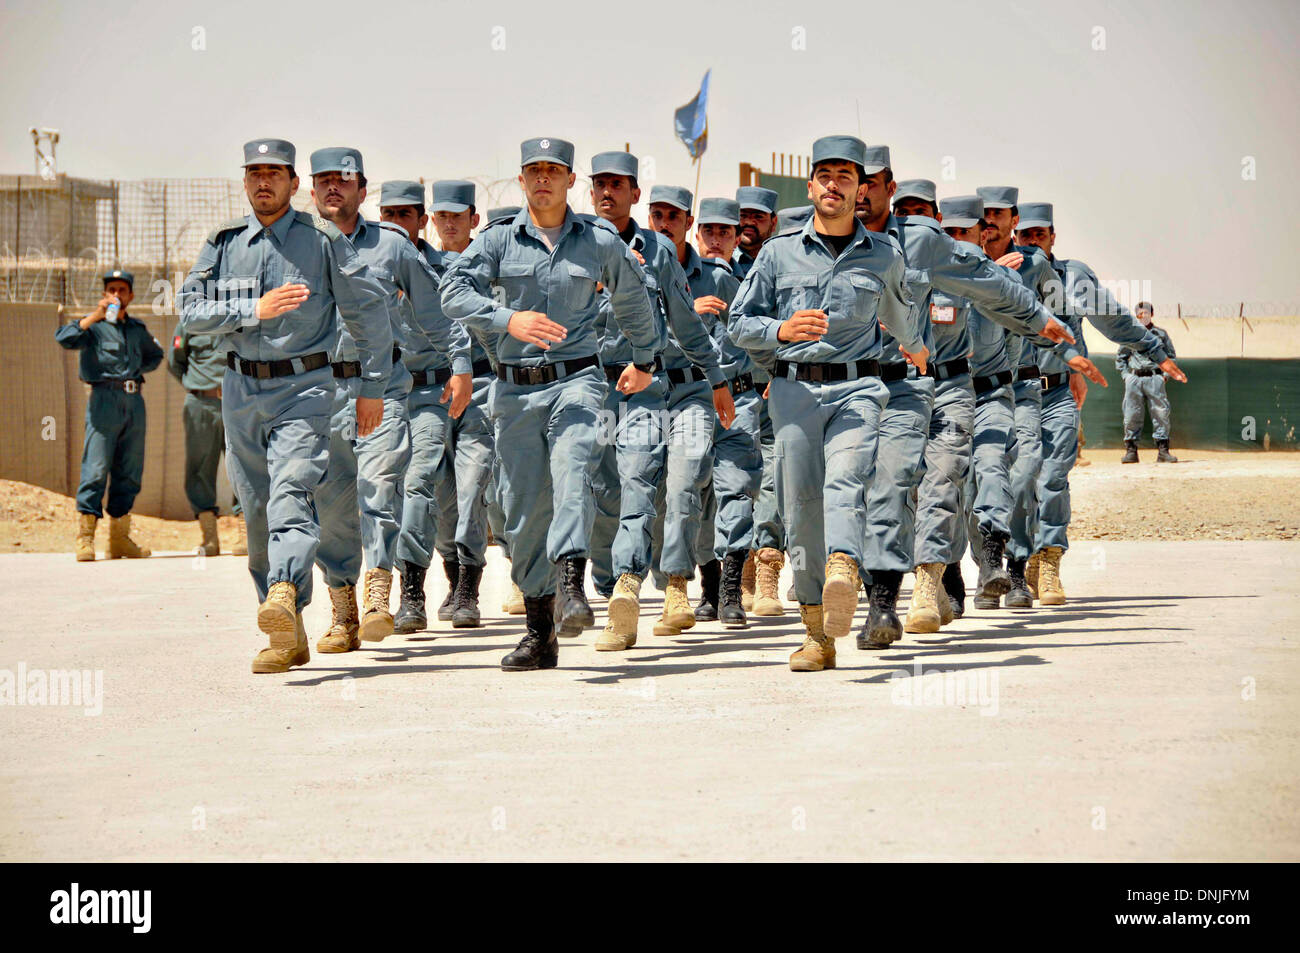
point(1145, 304)
point(862, 173)
point(361, 180)
point(1015, 211)
point(292, 173)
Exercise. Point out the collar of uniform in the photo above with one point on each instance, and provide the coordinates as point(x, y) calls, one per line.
point(360, 230)
point(924, 221)
point(692, 266)
point(524, 222)
point(279, 228)
point(809, 233)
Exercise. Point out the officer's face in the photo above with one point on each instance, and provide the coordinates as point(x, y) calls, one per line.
point(971, 234)
point(913, 206)
point(411, 218)
point(1044, 238)
point(716, 241)
point(121, 290)
point(546, 185)
point(338, 195)
point(612, 196)
point(269, 188)
point(874, 198)
point(671, 221)
point(1001, 223)
point(1144, 316)
point(755, 227)
point(453, 228)
point(834, 188)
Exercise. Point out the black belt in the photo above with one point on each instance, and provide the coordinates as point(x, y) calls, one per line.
point(481, 368)
point(614, 371)
point(1149, 372)
point(267, 369)
point(423, 378)
point(948, 369)
point(827, 373)
point(535, 375)
point(1054, 380)
point(130, 387)
point(738, 385)
point(346, 369)
point(684, 375)
point(210, 392)
point(992, 382)
point(1028, 372)
point(895, 371)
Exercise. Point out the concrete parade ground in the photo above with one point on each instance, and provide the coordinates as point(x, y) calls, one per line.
point(1154, 717)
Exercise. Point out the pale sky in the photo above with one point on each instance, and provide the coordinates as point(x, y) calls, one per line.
point(1140, 144)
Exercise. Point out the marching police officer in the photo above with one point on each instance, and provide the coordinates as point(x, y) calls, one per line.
point(117, 350)
point(1144, 387)
point(275, 282)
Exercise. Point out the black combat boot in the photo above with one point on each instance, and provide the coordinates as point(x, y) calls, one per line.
point(955, 586)
point(993, 578)
point(464, 609)
point(452, 568)
point(710, 574)
point(1130, 452)
point(1164, 456)
point(882, 626)
point(538, 648)
point(410, 611)
point(572, 613)
point(1019, 597)
point(730, 610)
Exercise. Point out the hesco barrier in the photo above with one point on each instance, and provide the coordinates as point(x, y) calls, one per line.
point(1227, 404)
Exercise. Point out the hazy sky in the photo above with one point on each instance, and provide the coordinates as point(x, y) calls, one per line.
point(1139, 144)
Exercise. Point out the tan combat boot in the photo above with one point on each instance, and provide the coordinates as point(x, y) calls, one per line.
point(747, 578)
point(624, 614)
point(211, 545)
point(677, 614)
point(120, 543)
point(344, 626)
point(286, 651)
point(86, 523)
point(1031, 573)
point(839, 594)
point(377, 620)
point(818, 649)
point(923, 613)
point(946, 613)
point(514, 604)
point(1051, 592)
point(767, 581)
point(240, 547)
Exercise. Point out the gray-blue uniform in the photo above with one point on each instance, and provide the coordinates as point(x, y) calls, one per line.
point(198, 361)
point(360, 501)
point(115, 356)
point(692, 371)
point(1144, 387)
point(547, 402)
point(826, 395)
point(769, 531)
point(279, 389)
point(728, 524)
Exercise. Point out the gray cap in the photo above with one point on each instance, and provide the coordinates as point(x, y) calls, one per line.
point(503, 213)
point(794, 217)
point(718, 212)
point(757, 199)
point(120, 274)
point(401, 192)
point(269, 152)
point(961, 211)
point(452, 195)
point(673, 195)
point(847, 148)
point(337, 159)
point(615, 163)
point(546, 149)
point(1035, 215)
point(999, 196)
point(915, 189)
point(877, 159)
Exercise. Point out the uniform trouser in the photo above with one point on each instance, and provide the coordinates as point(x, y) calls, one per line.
point(205, 437)
point(1060, 445)
point(547, 440)
point(940, 513)
point(430, 425)
point(988, 491)
point(727, 523)
point(628, 473)
point(769, 531)
point(277, 450)
point(112, 456)
point(494, 514)
point(462, 487)
point(826, 440)
point(688, 466)
point(360, 499)
point(1141, 393)
point(890, 541)
point(1027, 461)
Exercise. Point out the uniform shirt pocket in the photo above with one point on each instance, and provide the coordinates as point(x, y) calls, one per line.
point(511, 284)
point(796, 292)
point(867, 290)
point(582, 279)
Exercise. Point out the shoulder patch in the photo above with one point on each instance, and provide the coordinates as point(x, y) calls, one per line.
point(328, 229)
point(394, 227)
point(233, 225)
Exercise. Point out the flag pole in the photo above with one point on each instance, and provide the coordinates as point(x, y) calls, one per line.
point(695, 196)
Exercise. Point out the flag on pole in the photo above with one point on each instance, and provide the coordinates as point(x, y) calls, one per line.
point(692, 121)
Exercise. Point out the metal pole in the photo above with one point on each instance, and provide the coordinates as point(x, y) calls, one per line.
point(164, 229)
point(67, 260)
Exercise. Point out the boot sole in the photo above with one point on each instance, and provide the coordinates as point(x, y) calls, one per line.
point(740, 623)
point(624, 613)
point(839, 602)
point(409, 626)
point(990, 602)
point(1050, 600)
point(530, 668)
point(921, 623)
point(666, 630)
point(802, 666)
point(276, 668)
point(444, 615)
point(996, 586)
point(278, 624)
point(466, 622)
point(376, 630)
point(1019, 603)
point(323, 648)
point(612, 646)
point(768, 609)
point(85, 559)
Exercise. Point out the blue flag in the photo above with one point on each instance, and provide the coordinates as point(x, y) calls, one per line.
point(692, 121)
